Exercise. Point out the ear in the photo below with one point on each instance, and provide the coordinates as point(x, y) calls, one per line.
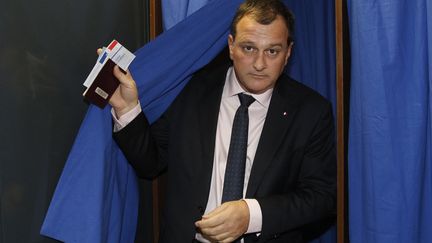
point(288, 54)
point(231, 45)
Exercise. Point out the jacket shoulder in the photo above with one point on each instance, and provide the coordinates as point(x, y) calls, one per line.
point(299, 92)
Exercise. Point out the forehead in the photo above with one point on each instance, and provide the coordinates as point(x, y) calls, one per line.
point(249, 30)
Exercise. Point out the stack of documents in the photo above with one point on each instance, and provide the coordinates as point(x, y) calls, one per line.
point(101, 82)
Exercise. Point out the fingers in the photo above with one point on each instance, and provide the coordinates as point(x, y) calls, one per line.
point(124, 77)
point(216, 233)
point(226, 223)
point(210, 224)
point(125, 98)
point(212, 219)
point(215, 211)
point(220, 238)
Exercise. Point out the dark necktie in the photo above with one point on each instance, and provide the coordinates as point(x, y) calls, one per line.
point(235, 168)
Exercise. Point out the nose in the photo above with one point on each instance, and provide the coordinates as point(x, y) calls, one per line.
point(260, 62)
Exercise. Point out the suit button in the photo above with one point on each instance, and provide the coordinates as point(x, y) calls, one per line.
point(275, 236)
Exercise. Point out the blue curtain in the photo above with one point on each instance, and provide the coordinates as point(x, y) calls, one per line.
point(174, 11)
point(313, 61)
point(96, 197)
point(390, 164)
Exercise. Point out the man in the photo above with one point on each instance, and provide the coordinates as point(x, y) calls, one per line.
point(288, 169)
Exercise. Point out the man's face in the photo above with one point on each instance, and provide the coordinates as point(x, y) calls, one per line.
point(259, 53)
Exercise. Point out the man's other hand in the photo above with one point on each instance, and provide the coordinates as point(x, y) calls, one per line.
point(226, 223)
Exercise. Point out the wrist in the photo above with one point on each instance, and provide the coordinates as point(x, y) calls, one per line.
point(255, 215)
point(120, 111)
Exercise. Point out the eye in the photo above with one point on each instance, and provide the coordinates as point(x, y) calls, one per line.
point(272, 52)
point(248, 49)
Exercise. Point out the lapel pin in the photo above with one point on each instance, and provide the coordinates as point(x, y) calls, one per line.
point(284, 113)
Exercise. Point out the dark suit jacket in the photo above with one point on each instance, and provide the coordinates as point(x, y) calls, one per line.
point(293, 175)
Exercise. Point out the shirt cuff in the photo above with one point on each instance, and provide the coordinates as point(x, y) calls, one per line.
point(126, 118)
point(255, 216)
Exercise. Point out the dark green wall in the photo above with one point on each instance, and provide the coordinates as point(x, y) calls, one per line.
point(47, 48)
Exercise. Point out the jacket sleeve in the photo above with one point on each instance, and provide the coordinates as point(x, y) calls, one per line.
point(145, 145)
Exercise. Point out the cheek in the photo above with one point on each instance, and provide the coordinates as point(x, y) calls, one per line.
point(243, 64)
point(278, 66)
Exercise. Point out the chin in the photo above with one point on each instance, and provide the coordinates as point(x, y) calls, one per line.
point(257, 90)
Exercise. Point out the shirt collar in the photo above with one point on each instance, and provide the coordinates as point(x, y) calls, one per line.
point(232, 88)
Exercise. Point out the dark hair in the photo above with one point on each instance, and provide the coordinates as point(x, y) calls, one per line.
point(264, 12)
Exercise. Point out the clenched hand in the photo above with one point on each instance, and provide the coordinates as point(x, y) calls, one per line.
point(226, 223)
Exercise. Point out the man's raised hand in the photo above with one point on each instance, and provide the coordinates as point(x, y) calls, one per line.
point(126, 95)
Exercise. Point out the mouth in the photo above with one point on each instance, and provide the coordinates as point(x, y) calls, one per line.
point(258, 76)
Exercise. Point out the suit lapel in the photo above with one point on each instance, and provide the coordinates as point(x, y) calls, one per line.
point(279, 116)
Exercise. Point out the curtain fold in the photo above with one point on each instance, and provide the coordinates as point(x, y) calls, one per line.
point(174, 11)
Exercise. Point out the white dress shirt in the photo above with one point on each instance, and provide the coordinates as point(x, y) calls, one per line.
point(228, 107)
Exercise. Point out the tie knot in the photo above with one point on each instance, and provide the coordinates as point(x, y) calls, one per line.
point(245, 100)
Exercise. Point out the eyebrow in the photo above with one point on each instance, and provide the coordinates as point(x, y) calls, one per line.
point(253, 43)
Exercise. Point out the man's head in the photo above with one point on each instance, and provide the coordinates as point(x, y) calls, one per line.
point(260, 43)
